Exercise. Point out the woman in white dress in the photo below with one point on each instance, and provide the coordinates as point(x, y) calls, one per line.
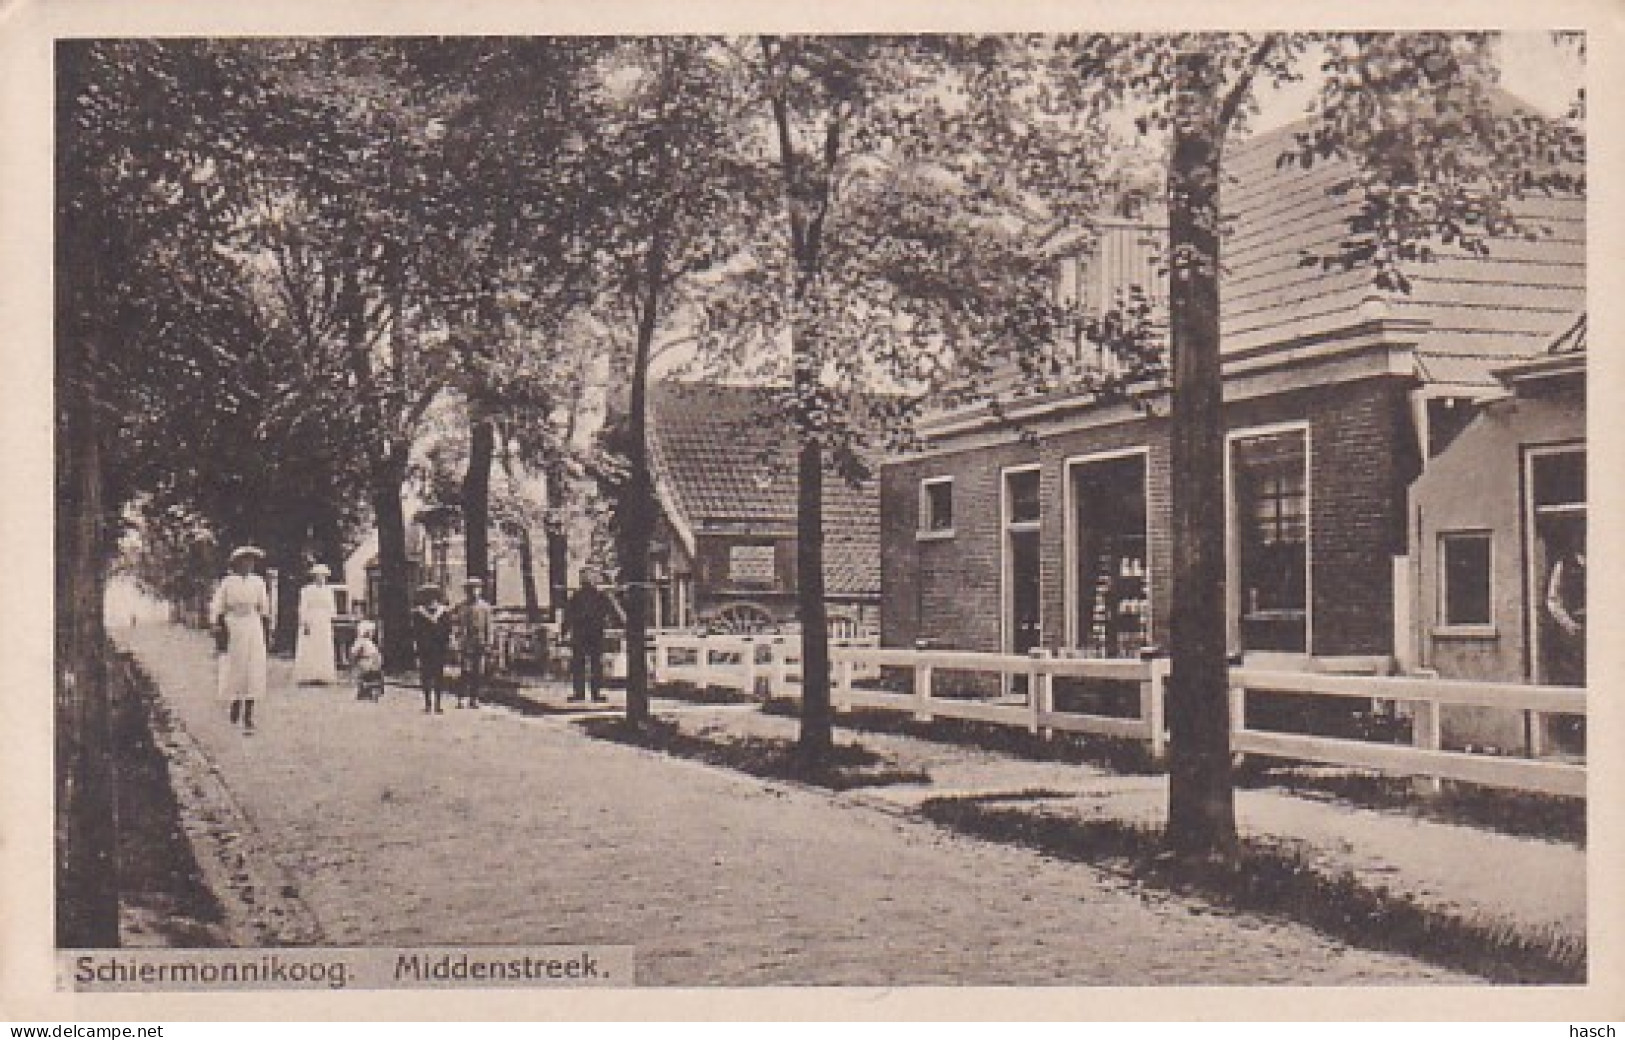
point(242, 610)
point(313, 654)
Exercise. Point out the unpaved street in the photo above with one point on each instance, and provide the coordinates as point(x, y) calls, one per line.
point(396, 828)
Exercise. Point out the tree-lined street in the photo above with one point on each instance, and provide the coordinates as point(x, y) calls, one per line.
point(322, 294)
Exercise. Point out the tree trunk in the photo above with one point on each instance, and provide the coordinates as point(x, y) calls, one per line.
point(558, 543)
point(394, 594)
point(527, 574)
point(637, 517)
point(329, 533)
point(86, 865)
point(477, 503)
point(817, 720)
point(284, 547)
point(1201, 810)
point(87, 887)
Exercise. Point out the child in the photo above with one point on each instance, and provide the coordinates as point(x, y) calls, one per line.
point(369, 663)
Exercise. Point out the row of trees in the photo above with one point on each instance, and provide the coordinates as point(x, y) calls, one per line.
point(275, 257)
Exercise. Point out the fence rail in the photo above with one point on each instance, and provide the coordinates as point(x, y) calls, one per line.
point(1022, 691)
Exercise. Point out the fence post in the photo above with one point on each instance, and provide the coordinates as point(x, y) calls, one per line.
point(922, 693)
point(1038, 688)
point(1537, 734)
point(777, 687)
point(1426, 735)
point(1238, 711)
point(1153, 704)
point(702, 659)
point(843, 680)
point(747, 661)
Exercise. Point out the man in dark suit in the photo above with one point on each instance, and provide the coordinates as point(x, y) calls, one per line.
point(589, 611)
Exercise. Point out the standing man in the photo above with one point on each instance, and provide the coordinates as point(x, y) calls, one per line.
point(585, 618)
point(472, 623)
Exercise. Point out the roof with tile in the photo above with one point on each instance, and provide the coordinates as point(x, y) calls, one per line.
point(1481, 312)
point(726, 459)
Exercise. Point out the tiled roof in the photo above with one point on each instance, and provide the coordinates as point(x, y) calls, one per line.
point(726, 458)
point(1480, 312)
point(1503, 306)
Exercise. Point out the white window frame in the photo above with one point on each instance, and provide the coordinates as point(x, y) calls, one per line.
point(925, 532)
point(1007, 527)
point(1069, 535)
point(1442, 626)
point(1232, 531)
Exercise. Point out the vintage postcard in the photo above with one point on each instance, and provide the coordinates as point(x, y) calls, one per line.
point(912, 511)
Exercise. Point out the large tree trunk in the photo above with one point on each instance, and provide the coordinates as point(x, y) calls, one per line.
point(817, 721)
point(87, 889)
point(477, 502)
point(1201, 810)
point(637, 512)
point(86, 866)
point(394, 594)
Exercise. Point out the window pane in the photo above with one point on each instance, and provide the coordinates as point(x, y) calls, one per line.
point(1023, 490)
point(1270, 481)
point(1560, 479)
point(939, 505)
point(1466, 579)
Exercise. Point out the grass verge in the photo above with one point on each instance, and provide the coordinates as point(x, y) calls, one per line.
point(1270, 880)
point(1518, 813)
point(163, 897)
point(1120, 756)
point(849, 766)
point(688, 693)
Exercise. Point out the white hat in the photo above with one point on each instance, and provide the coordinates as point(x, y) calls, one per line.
point(322, 569)
point(246, 550)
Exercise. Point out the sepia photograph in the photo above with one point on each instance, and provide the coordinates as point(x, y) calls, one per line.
point(737, 510)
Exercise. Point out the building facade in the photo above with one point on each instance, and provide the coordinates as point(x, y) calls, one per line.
point(1338, 398)
point(724, 552)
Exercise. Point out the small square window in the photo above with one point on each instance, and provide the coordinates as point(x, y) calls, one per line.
point(937, 505)
point(1465, 592)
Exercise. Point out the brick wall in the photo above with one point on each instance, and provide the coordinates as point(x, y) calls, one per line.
point(1361, 457)
point(946, 589)
point(1361, 460)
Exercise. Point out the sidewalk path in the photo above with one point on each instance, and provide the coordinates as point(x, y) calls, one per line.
point(487, 827)
point(1533, 885)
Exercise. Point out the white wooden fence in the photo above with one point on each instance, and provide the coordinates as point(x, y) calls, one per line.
point(868, 676)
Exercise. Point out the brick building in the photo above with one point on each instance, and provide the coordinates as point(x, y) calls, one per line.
point(724, 463)
point(1336, 396)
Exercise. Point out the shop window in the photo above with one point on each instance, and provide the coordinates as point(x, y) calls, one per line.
point(937, 505)
point(1465, 595)
point(1112, 590)
point(1271, 485)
